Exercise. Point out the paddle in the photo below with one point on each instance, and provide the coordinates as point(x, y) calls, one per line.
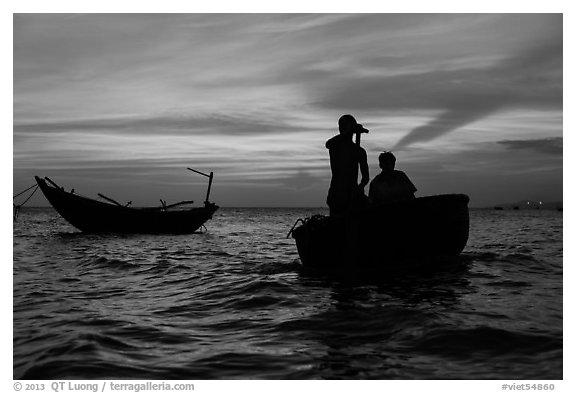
point(360, 130)
point(113, 201)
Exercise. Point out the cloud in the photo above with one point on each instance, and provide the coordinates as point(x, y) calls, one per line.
point(531, 79)
point(551, 146)
point(254, 96)
point(304, 180)
point(177, 124)
point(448, 121)
point(105, 65)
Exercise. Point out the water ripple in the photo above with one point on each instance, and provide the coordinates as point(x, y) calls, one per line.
point(236, 303)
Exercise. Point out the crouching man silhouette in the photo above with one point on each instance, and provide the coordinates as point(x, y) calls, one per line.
point(390, 185)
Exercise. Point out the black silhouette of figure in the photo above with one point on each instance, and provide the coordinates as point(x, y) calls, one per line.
point(390, 185)
point(345, 158)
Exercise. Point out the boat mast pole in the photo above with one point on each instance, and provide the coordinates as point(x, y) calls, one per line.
point(209, 187)
point(210, 177)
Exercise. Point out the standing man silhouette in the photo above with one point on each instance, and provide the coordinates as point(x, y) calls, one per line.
point(345, 157)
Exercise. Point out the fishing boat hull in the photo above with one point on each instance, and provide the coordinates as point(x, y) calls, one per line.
point(419, 230)
point(89, 215)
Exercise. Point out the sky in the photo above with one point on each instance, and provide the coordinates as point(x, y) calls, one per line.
point(122, 104)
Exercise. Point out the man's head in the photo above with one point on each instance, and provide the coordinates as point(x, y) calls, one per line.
point(347, 124)
point(387, 161)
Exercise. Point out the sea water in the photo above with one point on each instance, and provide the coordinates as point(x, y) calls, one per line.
point(235, 303)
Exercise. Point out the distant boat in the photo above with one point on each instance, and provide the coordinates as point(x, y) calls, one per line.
point(89, 215)
point(516, 208)
point(498, 208)
point(422, 229)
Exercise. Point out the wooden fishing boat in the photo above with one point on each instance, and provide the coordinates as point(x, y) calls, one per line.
point(421, 230)
point(89, 215)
